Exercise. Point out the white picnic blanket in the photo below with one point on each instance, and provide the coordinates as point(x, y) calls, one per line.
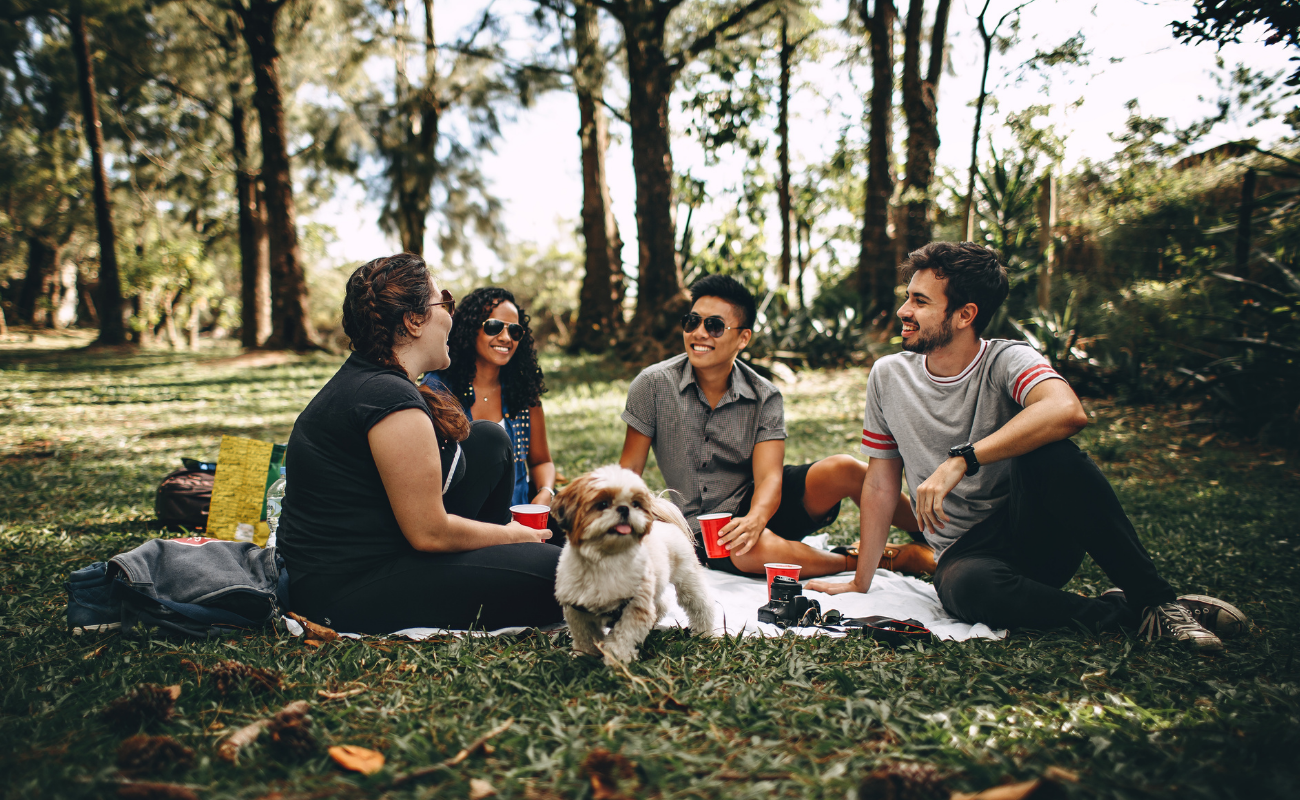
point(737, 599)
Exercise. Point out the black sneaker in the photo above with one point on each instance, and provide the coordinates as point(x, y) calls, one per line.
point(1222, 619)
point(1173, 621)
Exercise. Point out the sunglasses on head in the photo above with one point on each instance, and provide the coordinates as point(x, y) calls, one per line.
point(448, 301)
point(493, 327)
point(713, 326)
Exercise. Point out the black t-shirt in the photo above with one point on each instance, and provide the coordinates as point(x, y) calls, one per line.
point(337, 519)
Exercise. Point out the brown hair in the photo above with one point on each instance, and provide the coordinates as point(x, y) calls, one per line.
point(380, 293)
point(975, 274)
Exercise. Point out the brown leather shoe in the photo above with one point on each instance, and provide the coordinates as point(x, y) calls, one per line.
point(915, 558)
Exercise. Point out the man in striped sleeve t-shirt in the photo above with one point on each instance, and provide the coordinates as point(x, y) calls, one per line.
point(981, 427)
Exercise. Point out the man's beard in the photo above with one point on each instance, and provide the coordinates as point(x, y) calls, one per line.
point(929, 342)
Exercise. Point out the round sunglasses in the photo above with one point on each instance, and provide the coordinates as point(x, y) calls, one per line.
point(714, 326)
point(493, 327)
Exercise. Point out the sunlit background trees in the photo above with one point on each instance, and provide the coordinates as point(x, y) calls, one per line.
point(161, 164)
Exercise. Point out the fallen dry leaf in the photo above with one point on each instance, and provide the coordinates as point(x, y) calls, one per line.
point(94, 652)
point(357, 759)
point(340, 695)
point(1040, 789)
point(479, 789)
point(314, 631)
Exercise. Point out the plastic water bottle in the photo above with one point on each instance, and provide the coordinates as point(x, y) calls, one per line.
point(274, 504)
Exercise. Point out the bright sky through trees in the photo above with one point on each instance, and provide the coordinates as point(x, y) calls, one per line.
point(536, 168)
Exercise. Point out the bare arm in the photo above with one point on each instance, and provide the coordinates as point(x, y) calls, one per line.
point(636, 450)
point(540, 466)
point(879, 498)
point(1052, 412)
point(405, 450)
point(741, 534)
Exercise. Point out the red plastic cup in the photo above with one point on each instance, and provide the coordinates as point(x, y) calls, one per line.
point(790, 571)
point(710, 524)
point(534, 516)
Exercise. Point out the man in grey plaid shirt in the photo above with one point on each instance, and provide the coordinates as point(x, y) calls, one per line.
point(718, 433)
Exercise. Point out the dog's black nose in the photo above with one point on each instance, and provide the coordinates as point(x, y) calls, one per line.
point(623, 511)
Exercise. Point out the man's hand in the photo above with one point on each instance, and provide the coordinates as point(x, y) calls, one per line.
point(833, 587)
point(741, 534)
point(930, 494)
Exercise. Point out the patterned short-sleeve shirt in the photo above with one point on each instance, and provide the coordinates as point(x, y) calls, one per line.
point(706, 454)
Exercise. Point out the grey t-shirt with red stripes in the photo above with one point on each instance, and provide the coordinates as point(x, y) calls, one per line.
point(917, 416)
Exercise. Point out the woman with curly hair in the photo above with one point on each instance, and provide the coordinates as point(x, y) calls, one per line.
point(397, 507)
point(494, 374)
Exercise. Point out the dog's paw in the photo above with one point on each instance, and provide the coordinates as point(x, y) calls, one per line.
point(617, 656)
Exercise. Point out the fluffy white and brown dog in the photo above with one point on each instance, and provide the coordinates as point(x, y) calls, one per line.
point(618, 562)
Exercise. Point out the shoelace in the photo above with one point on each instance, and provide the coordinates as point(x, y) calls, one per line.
point(1171, 617)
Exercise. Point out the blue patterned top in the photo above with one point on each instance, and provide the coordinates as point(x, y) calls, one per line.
point(518, 428)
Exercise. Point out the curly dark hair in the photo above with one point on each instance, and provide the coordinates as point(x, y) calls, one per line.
point(521, 378)
point(380, 295)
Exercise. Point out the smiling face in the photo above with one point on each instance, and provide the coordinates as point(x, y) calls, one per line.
point(927, 325)
point(434, 331)
point(703, 350)
point(501, 348)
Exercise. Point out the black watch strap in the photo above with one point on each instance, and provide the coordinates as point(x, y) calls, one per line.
point(966, 451)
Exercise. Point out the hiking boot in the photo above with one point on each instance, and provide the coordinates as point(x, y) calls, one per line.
point(1222, 619)
point(1173, 621)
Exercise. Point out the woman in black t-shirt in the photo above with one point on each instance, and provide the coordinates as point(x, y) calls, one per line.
point(397, 508)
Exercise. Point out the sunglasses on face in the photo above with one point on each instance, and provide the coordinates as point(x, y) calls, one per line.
point(493, 327)
point(713, 326)
point(448, 301)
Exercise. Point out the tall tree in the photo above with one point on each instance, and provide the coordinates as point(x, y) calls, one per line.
point(783, 147)
point(112, 328)
point(920, 105)
point(291, 326)
point(600, 308)
point(989, 37)
point(877, 272)
point(653, 68)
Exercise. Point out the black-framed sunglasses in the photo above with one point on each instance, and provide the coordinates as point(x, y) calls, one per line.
point(713, 326)
point(448, 301)
point(493, 327)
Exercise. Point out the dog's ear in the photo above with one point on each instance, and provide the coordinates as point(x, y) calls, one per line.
point(665, 510)
point(562, 508)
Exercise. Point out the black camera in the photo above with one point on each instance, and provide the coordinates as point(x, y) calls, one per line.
point(787, 605)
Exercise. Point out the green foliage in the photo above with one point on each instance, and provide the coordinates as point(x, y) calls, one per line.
point(84, 438)
point(1223, 21)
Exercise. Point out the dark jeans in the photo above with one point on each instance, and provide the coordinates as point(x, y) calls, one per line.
point(504, 586)
point(1007, 571)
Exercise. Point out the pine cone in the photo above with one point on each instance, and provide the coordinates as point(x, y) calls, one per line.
point(229, 674)
point(903, 781)
point(147, 703)
point(291, 734)
point(607, 771)
point(143, 755)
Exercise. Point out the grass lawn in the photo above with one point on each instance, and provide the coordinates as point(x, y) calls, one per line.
point(85, 438)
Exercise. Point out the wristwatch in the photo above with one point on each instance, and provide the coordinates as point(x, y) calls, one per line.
point(966, 451)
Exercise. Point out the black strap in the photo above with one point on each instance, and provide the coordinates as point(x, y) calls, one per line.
point(614, 615)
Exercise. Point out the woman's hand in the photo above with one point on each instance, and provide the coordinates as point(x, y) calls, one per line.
point(833, 587)
point(544, 497)
point(522, 533)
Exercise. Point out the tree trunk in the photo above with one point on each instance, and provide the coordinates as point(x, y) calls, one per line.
point(600, 314)
point(41, 258)
point(920, 105)
point(254, 255)
point(877, 272)
point(660, 294)
point(63, 300)
point(413, 136)
point(986, 36)
point(291, 326)
point(112, 329)
point(783, 151)
point(1046, 239)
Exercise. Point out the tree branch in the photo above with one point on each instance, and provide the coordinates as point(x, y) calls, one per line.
point(710, 39)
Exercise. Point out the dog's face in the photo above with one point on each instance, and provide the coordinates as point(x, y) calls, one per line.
point(606, 511)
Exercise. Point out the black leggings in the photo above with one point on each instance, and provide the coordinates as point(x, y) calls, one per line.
point(1008, 570)
point(509, 585)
